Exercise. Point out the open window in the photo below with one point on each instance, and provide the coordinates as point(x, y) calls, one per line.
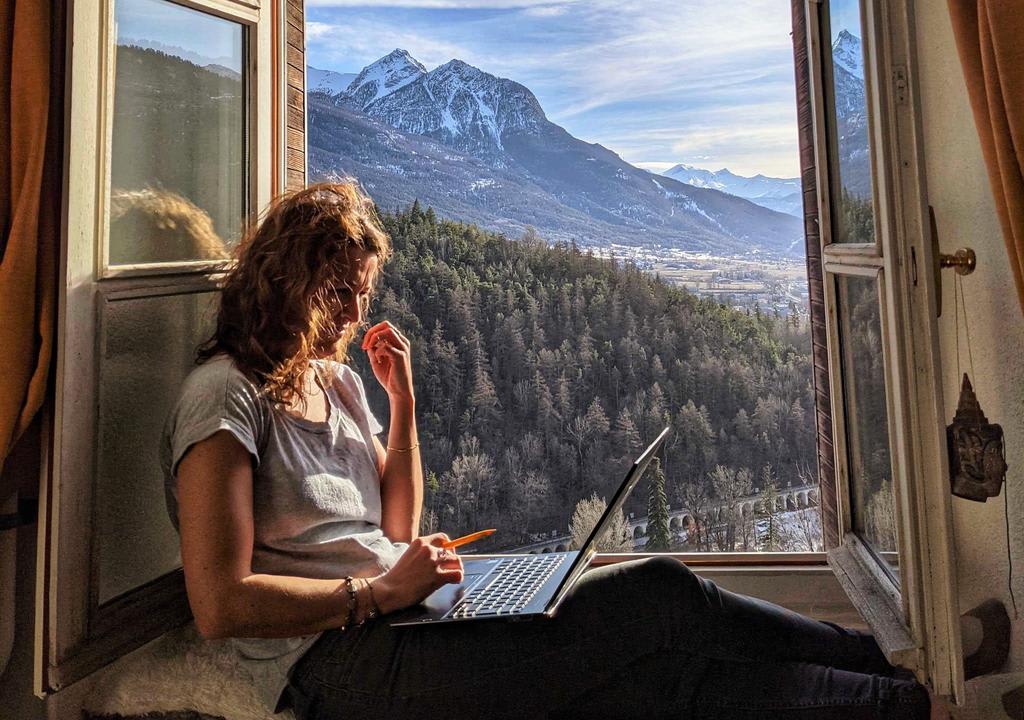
point(569, 286)
point(178, 130)
point(893, 554)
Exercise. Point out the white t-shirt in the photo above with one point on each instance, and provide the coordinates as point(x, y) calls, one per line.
point(316, 488)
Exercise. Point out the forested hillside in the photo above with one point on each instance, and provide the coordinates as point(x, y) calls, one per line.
point(541, 371)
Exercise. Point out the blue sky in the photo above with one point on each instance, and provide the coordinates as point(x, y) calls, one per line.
point(705, 82)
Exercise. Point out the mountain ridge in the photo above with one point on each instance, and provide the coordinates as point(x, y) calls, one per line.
point(481, 147)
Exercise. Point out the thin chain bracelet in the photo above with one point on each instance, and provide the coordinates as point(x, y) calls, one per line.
point(374, 610)
point(408, 449)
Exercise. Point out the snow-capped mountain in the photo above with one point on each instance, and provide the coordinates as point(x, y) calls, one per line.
point(851, 114)
point(479, 148)
point(461, 106)
point(848, 54)
point(327, 82)
point(383, 77)
point(779, 194)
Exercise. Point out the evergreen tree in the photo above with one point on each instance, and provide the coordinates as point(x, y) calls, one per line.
point(659, 538)
point(625, 435)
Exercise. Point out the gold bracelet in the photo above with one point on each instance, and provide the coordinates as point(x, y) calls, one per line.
point(374, 610)
point(408, 449)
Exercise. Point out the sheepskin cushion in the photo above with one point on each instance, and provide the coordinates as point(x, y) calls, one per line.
point(179, 676)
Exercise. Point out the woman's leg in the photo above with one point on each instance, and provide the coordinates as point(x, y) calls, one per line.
point(617, 619)
point(728, 626)
point(755, 691)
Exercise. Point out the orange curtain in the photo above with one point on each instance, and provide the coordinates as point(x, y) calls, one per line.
point(30, 205)
point(989, 39)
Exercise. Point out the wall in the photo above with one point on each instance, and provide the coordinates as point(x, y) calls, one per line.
point(295, 56)
point(958, 188)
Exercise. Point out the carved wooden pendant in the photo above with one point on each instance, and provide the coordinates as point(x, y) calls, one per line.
point(977, 459)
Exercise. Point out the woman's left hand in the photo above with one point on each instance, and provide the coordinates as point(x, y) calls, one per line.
point(391, 360)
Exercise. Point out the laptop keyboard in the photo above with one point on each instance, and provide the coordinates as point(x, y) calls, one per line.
point(509, 588)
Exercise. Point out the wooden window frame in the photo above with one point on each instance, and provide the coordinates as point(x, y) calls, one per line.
point(75, 635)
point(916, 620)
point(823, 428)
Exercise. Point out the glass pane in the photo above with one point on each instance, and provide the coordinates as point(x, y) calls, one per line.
point(178, 171)
point(581, 259)
point(848, 126)
point(147, 347)
point(872, 504)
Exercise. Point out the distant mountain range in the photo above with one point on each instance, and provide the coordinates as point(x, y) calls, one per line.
point(479, 148)
point(779, 194)
point(220, 64)
point(327, 82)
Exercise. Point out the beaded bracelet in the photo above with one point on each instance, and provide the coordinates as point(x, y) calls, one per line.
point(351, 617)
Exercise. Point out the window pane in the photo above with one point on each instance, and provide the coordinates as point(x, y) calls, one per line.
point(872, 504)
point(583, 256)
point(178, 171)
point(848, 126)
point(146, 352)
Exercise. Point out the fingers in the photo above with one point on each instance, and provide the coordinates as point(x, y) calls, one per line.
point(447, 564)
point(446, 557)
point(436, 539)
point(383, 342)
point(383, 350)
point(456, 575)
point(384, 333)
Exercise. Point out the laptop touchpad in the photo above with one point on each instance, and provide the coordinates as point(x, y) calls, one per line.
point(444, 598)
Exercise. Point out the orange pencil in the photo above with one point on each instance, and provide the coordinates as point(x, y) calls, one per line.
point(466, 539)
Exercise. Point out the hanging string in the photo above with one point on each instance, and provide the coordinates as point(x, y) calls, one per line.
point(956, 323)
point(967, 326)
point(1009, 554)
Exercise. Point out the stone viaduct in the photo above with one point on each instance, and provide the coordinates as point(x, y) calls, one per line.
point(791, 498)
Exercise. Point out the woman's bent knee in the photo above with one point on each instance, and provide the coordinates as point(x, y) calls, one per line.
point(668, 572)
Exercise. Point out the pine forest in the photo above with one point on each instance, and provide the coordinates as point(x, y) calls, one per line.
point(541, 372)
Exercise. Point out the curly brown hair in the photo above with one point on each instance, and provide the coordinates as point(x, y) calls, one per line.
point(279, 301)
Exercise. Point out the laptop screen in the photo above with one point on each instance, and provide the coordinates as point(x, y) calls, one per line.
point(636, 471)
point(582, 559)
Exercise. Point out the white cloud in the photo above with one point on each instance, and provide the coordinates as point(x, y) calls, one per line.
point(655, 166)
point(547, 10)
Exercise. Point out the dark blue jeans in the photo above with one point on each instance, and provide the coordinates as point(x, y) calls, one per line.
point(643, 639)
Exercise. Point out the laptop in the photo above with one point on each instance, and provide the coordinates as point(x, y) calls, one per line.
point(523, 587)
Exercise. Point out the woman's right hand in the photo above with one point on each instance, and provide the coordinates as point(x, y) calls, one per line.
point(423, 568)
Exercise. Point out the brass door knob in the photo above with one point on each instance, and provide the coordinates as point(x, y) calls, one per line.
point(964, 261)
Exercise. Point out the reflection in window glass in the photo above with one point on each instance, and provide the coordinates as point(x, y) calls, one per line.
point(848, 116)
point(872, 503)
point(178, 175)
point(597, 225)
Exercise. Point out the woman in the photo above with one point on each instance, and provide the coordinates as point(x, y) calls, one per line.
point(299, 529)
